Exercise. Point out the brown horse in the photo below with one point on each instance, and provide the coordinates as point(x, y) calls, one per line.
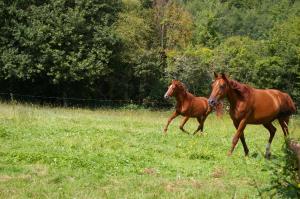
point(252, 106)
point(187, 105)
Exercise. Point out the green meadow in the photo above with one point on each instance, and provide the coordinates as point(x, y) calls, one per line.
point(48, 152)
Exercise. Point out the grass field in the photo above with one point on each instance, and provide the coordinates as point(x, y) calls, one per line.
point(79, 153)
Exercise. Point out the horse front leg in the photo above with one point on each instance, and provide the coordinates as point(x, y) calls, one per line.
point(237, 135)
point(174, 115)
point(185, 119)
point(242, 138)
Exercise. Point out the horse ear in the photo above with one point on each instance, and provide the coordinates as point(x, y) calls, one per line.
point(184, 86)
point(216, 75)
point(224, 77)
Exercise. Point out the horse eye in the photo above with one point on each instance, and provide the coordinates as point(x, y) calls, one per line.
point(222, 86)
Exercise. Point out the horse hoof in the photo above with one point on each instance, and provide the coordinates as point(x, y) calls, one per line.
point(195, 133)
point(229, 153)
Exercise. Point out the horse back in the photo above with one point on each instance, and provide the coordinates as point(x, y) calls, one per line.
point(198, 106)
point(286, 104)
point(270, 104)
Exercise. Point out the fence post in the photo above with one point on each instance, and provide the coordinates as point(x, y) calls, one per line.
point(65, 104)
point(11, 97)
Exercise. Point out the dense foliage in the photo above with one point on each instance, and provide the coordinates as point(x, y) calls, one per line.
point(130, 49)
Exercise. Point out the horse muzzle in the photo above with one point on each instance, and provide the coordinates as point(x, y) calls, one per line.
point(212, 102)
point(166, 96)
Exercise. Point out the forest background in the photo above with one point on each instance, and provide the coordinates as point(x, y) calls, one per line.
point(131, 49)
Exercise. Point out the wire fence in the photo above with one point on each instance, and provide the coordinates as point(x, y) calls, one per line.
point(84, 102)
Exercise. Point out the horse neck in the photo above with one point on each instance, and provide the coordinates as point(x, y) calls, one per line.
point(232, 98)
point(181, 97)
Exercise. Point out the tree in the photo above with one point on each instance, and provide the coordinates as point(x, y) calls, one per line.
point(60, 41)
point(285, 43)
point(237, 56)
point(193, 67)
point(140, 56)
point(205, 15)
point(174, 24)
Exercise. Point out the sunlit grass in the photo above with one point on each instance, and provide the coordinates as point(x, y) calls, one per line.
point(117, 153)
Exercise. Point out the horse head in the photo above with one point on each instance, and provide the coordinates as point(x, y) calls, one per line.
point(176, 87)
point(220, 87)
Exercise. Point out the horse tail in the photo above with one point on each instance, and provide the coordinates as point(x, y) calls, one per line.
point(219, 109)
point(290, 107)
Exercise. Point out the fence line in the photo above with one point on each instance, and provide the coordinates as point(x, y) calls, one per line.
point(14, 96)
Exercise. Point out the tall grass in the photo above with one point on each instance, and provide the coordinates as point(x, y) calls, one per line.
point(121, 153)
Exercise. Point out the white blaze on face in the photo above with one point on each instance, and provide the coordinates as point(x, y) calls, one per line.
point(215, 91)
point(169, 90)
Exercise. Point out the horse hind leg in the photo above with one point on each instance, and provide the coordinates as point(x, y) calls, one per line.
point(272, 131)
point(242, 138)
point(284, 121)
point(202, 122)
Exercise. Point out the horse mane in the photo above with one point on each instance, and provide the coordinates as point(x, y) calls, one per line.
point(181, 86)
point(243, 90)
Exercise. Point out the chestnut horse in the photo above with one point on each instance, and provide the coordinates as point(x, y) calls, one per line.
point(252, 106)
point(187, 105)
